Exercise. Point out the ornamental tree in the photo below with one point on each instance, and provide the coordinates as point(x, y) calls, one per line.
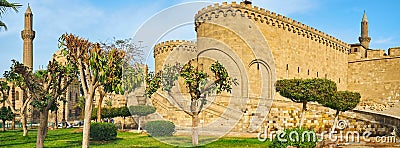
point(6, 114)
point(97, 68)
point(4, 91)
point(17, 80)
point(140, 111)
point(132, 73)
point(45, 88)
point(198, 86)
point(124, 112)
point(341, 101)
point(305, 90)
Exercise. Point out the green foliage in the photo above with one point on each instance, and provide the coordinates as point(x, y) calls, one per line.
point(297, 137)
point(153, 82)
point(164, 79)
point(342, 101)
point(169, 75)
point(111, 112)
point(4, 91)
point(160, 128)
point(104, 66)
point(6, 114)
point(222, 80)
point(195, 80)
point(308, 90)
point(124, 112)
point(133, 77)
point(142, 110)
point(45, 86)
point(14, 77)
point(103, 131)
point(94, 114)
point(4, 6)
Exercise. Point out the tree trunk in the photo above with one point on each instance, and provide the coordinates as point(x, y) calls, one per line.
point(102, 94)
point(4, 121)
point(123, 123)
point(4, 125)
point(99, 110)
point(335, 121)
point(24, 127)
point(42, 131)
point(56, 119)
point(138, 129)
point(88, 114)
point(64, 120)
point(13, 106)
point(195, 130)
point(13, 124)
point(303, 111)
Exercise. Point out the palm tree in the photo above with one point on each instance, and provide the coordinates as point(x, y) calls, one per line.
point(4, 6)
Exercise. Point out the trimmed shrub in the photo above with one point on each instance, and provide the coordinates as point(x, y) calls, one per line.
point(298, 137)
point(160, 128)
point(142, 110)
point(103, 131)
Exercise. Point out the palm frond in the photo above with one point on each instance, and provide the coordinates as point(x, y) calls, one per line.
point(3, 25)
point(5, 5)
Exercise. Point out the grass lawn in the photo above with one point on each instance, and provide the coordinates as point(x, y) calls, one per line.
point(73, 138)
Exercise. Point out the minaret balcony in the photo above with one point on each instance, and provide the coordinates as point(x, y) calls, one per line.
point(28, 34)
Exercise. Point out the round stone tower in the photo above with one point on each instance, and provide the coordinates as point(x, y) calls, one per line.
point(173, 50)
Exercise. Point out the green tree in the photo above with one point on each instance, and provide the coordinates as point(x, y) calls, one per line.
point(341, 101)
point(141, 111)
point(4, 7)
point(197, 84)
point(17, 80)
point(6, 114)
point(4, 91)
point(124, 112)
point(305, 90)
point(97, 68)
point(131, 72)
point(46, 87)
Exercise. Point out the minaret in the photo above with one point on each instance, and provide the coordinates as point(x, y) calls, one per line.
point(28, 35)
point(364, 39)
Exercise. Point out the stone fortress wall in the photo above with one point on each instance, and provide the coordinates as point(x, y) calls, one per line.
point(377, 78)
point(290, 41)
point(285, 48)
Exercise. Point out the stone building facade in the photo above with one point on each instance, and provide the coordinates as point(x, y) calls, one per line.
point(259, 47)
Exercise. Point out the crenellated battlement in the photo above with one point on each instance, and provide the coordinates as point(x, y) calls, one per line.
point(167, 46)
point(271, 18)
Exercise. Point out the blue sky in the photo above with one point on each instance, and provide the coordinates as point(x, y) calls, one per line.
point(103, 20)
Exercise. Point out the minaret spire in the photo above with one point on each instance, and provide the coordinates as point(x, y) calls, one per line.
point(364, 39)
point(28, 35)
point(365, 19)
